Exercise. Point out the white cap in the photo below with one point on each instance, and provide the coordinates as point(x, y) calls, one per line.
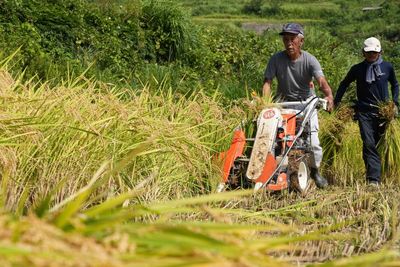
point(372, 44)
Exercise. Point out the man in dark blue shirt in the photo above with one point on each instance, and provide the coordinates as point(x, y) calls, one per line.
point(372, 77)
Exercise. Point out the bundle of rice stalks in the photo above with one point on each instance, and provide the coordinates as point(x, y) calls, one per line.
point(389, 144)
point(342, 146)
point(389, 148)
point(345, 113)
point(332, 129)
point(255, 105)
point(388, 110)
point(347, 164)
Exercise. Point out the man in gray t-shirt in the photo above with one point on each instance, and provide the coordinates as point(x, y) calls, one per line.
point(293, 77)
point(295, 69)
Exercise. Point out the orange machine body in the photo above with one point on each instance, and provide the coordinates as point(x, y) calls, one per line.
point(235, 150)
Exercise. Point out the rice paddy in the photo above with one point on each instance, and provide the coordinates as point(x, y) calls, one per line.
point(94, 176)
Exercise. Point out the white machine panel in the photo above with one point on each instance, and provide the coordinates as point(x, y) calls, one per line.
point(267, 125)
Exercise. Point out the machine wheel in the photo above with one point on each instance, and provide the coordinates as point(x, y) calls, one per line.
point(299, 174)
point(221, 187)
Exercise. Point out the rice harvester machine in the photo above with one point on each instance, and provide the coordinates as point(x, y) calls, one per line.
point(276, 155)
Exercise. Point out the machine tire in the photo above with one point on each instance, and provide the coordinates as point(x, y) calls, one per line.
point(299, 173)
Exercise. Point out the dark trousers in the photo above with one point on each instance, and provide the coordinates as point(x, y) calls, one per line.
point(371, 129)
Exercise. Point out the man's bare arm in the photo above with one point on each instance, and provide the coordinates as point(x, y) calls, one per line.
point(267, 88)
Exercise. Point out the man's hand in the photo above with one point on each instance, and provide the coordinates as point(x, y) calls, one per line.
point(266, 90)
point(330, 105)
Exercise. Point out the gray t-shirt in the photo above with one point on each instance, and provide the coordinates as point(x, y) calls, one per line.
point(293, 77)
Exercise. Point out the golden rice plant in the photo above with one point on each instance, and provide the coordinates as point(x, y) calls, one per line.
point(62, 134)
point(332, 128)
point(388, 110)
point(348, 166)
point(342, 146)
point(389, 144)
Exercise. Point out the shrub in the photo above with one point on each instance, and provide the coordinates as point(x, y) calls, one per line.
point(168, 31)
point(253, 7)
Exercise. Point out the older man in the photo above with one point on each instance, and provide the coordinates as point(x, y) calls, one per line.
point(372, 77)
point(294, 70)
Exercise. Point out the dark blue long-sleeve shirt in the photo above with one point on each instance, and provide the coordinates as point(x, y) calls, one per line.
point(370, 94)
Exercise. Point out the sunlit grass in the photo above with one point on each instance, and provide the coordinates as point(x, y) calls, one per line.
point(65, 133)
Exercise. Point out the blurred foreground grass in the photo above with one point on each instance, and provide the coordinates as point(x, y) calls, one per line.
point(351, 227)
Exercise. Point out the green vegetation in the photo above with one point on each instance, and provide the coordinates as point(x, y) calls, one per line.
point(111, 114)
point(128, 42)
